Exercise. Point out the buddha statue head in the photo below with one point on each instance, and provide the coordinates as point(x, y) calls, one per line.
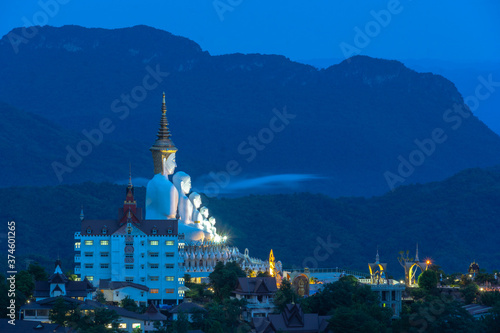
point(182, 181)
point(195, 199)
point(204, 212)
point(169, 164)
point(211, 220)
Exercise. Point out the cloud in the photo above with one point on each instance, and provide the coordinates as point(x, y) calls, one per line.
point(259, 185)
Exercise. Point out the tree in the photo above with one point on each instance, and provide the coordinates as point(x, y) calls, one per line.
point(428, 280)
point(70, 275)
point(96, 321)
point(181, 325)
point(99, 297)
point(351, 305)
point(25, 283)
point(436, 314)
point(129, 304)
point(285, 295)
point(470, 292)
point(263, 274)
point(59, 312)
point(38, 272)
point(224, 279)
point(490, 298)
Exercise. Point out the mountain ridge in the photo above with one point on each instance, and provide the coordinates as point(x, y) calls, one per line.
point(353, 120)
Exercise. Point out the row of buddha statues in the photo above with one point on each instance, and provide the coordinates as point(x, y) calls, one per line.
point(197, 258)
point(167, 199)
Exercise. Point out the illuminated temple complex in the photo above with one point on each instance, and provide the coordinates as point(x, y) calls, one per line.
point(146, 257)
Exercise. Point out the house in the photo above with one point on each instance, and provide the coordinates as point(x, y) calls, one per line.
point(116, 291)
point(22, 326)
point(258, 292)
point(59, 285)
point(39, 311)
point(153, 314)
point(187, 307)
point(292, 319)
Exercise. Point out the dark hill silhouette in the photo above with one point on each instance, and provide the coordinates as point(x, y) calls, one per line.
point(453, 221)
point(352, 120)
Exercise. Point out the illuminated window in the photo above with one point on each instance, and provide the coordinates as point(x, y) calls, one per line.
point(154, 291)
point(169, 254)
point(129, 266)
point(89, 242)
point(169, 243)
point(104, 265)
point(104, 242)
point(77, 245)
point(90, 278)
point(154, 278)
point(89, 265)
point(169, 291)
point(153, 242)
point(104, 254)
point(153, 254)
point(136, 325)
point(169, 265)
point(122, 325)
point(169, 278)
point(89, 254)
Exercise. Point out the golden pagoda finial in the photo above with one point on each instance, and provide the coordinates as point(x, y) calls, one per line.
point(163, 145)
point(272, 264)
point(164, 106)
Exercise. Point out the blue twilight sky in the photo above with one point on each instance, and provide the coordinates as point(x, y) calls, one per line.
point(451, 30)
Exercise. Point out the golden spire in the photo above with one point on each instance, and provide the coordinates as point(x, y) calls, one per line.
point(163, 145)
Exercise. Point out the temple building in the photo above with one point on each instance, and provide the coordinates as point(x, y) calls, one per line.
point(150, 254)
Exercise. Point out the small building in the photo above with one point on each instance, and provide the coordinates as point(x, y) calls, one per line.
point(292, 319)
point(258, 292)
point(22, 326)
point(153, 314)
point(478, 311)
point(39, 311)
point(187, 307)
point(116, 291)
point(59, 285)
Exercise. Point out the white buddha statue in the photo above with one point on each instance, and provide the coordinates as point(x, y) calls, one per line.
point(161, 195)
point(196, 201)
point(182, 181)
point(204, 218)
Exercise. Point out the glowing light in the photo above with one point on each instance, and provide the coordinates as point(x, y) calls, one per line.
point(224, 238)
point(428, 262)
point(217, 238)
